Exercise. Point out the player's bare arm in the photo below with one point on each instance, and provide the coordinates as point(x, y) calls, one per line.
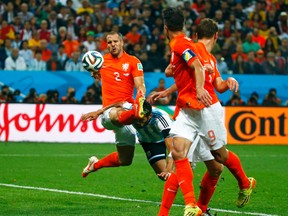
point(223, 85)
point(169, 147)
point(162, 94)
point(169, 164)
point(94, 115)
point(169, 71)
point(202, 94)
point(140, 84)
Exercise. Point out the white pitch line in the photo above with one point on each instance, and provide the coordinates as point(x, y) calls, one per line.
point(119, 198)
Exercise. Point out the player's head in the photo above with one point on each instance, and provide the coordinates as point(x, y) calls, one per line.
point(207, 28)
point(147, 108)
point(115, 43)
point(173, 19)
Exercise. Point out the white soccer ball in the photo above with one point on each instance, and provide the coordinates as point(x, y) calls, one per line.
point(92, 61)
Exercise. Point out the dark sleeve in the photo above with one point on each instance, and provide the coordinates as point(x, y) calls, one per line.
point(165, 132)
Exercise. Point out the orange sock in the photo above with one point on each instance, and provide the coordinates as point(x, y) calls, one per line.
point(234, 165)
point(185, 177)
point(169, 194)
point(126, 117)
point(207, 188)
point(110, 160)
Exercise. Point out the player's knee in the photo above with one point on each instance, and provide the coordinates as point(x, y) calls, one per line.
point(220, 157)
point(216, 171)
point(127, 161)
point(178, 154)
point(180, 148)
point(114, 115)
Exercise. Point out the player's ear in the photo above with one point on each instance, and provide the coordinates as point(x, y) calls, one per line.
point(196, 36)
point(216, 36)
point(165, 28)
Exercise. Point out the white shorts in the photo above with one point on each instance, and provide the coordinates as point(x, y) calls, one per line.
point(124, 135)
point(199, 152)
point(208, 123)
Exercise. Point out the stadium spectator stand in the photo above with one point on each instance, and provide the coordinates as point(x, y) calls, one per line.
point(247, 30)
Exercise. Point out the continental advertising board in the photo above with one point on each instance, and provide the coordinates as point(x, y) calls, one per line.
point(257, 125)
point(62, 123)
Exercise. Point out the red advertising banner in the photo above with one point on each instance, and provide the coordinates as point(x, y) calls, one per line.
point(50, 123)
point(257, 125)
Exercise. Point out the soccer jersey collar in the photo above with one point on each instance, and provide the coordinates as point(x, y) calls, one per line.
point(182, 35)
point(202, 45)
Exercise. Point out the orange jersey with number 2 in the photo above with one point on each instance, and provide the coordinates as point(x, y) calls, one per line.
point(117, 77)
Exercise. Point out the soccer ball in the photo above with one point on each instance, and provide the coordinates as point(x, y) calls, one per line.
point(92, 60)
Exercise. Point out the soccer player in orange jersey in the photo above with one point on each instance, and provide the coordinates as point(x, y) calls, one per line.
point(189, 76)
point(196, 118)
point(119, 74)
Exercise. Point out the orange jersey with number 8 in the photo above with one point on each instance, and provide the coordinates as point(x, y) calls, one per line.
point(117, 77)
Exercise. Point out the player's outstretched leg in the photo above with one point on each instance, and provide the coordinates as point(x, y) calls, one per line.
point(138, 105)
point(244, 194)
point(111, 160)
point(90, 166)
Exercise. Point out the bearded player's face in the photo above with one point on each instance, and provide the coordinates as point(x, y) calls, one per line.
point(115, 44)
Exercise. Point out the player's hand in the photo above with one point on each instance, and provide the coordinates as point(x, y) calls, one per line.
point(164, 175)
point(208, 68)
point(232, 84)
point(96, 74)
point(153, 97)
point(91, 115)
point(204, 97)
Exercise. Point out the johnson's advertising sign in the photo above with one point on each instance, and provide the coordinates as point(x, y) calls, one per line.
point(50, 123)
point(257, 125)
point(62, 123)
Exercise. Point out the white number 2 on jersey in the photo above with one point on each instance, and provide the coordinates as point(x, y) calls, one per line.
point(117, 76)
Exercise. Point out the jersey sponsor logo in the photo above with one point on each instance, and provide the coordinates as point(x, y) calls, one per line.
point(126, 74)
point(140, 66)
point(125, 66)
point(187, 55)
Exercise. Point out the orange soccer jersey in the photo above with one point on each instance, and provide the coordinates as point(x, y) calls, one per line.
point(184, 52)
point(117, 76)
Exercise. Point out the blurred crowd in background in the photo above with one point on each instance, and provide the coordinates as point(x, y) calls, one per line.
point(93, 95)
point(53, 35)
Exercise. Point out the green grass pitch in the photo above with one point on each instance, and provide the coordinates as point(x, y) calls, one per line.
point(45, 179)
